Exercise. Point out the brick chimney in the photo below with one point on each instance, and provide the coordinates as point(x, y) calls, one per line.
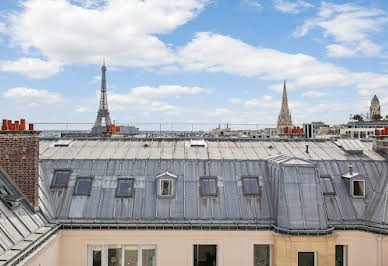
point(19, 157)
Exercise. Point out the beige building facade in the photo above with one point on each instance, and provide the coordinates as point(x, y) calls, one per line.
point(71, 247)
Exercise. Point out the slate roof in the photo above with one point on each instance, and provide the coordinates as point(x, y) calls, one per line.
point(291, 181)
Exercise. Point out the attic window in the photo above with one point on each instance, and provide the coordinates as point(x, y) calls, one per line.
point(358, 188)
point(61, 178)
point(198, 143)
point(251, 186)
point(62, 143)
point(83, 186)
point(165, 187)
point(208, 186)
point(327, 186)
point(12, 201)
point(124, 187)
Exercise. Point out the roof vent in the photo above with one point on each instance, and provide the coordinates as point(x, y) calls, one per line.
point(63, 143)
point(307, 148)
point(198, 143)
point(351, 173)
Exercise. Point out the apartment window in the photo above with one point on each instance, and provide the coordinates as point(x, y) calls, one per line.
point(205, 255)
point(306, 259)
point(119, 255)
point(165, 187)
point(83, 186)
point(251, 186)
point(124, 187)
point(208, 186)
point(262, 255)
point(358, 188)
point(340, 255)
point(61, 178)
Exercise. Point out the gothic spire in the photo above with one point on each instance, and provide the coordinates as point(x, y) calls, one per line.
point(284, 119)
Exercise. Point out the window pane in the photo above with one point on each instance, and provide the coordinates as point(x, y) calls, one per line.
point(131, 257)
point(114, 257)
point(97, 258)
point(339, 255)
point(83, 186)
point(251, 185)
point(208, 186)
point(358, 188)
point(262, 255)
point(166, 187)
point(125, 188)
point(148, 257)
point(61, 178)
point(205, 255)
point(305, 258)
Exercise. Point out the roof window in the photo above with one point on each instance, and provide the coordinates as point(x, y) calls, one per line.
point(198, 143)
point(60, 179)
point(83, 186)
point(251, 185)
point(166, 184)
point(124, 187)
point(208, 186)
point(11, 200)
point(327, 186)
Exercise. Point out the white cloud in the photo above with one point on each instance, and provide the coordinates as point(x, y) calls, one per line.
point(314, 94)
point(292, 7)
point(32, 97)
point(80, 31)
point(235, 101)
point(351, 26)
point(253, 4)
point(81, 109)
point(265, 102)
point(302, 71)
point(219, 112)
point(147, 98)
point(31, 67)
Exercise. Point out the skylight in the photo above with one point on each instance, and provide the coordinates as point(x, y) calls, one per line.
point(251, 186)
point(61, 178)
point(124, 187)
point(83, 186)
point(208, 186)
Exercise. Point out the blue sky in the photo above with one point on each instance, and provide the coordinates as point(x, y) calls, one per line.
point(192, 60)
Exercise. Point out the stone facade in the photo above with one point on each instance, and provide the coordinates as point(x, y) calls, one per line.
point(374, 107)
point(284, 118)
point(19, 157)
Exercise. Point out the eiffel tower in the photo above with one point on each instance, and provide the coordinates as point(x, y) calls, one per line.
point(103, 112)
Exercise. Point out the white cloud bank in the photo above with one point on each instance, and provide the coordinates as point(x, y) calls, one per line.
point(351, 26)
point(32, 97)
point(291, 7)
point(31, 67)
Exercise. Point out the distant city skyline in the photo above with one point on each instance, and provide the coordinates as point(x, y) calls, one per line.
point(193, 60)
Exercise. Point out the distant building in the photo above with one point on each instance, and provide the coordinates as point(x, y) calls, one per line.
point(284, 118)
point(362, 130)
point(374, 108)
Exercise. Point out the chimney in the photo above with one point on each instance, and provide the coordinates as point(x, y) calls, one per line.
point(19, 157)
point(350, 169)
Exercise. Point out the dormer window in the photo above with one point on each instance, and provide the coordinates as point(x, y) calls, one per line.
point(166, 184)
point(358, 188)
point(251, 186)
point(60, 179)
point(208, 186)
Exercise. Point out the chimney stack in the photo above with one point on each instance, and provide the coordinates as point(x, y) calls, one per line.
point(19, 157)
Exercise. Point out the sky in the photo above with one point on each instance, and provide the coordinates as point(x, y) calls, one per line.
point(195, 61)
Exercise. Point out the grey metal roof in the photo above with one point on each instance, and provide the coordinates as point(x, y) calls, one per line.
point(19, 226)
point(215, 149)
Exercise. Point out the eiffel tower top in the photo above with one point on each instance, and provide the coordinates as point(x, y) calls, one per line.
point(284, 118)
point(103, 112)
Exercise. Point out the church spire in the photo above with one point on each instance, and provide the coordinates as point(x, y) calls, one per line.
point(284, 119)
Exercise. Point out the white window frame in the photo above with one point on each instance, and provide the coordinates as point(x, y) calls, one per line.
point(161, 187)
point(315, 256)
point(104, 253)
point(352, 188)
